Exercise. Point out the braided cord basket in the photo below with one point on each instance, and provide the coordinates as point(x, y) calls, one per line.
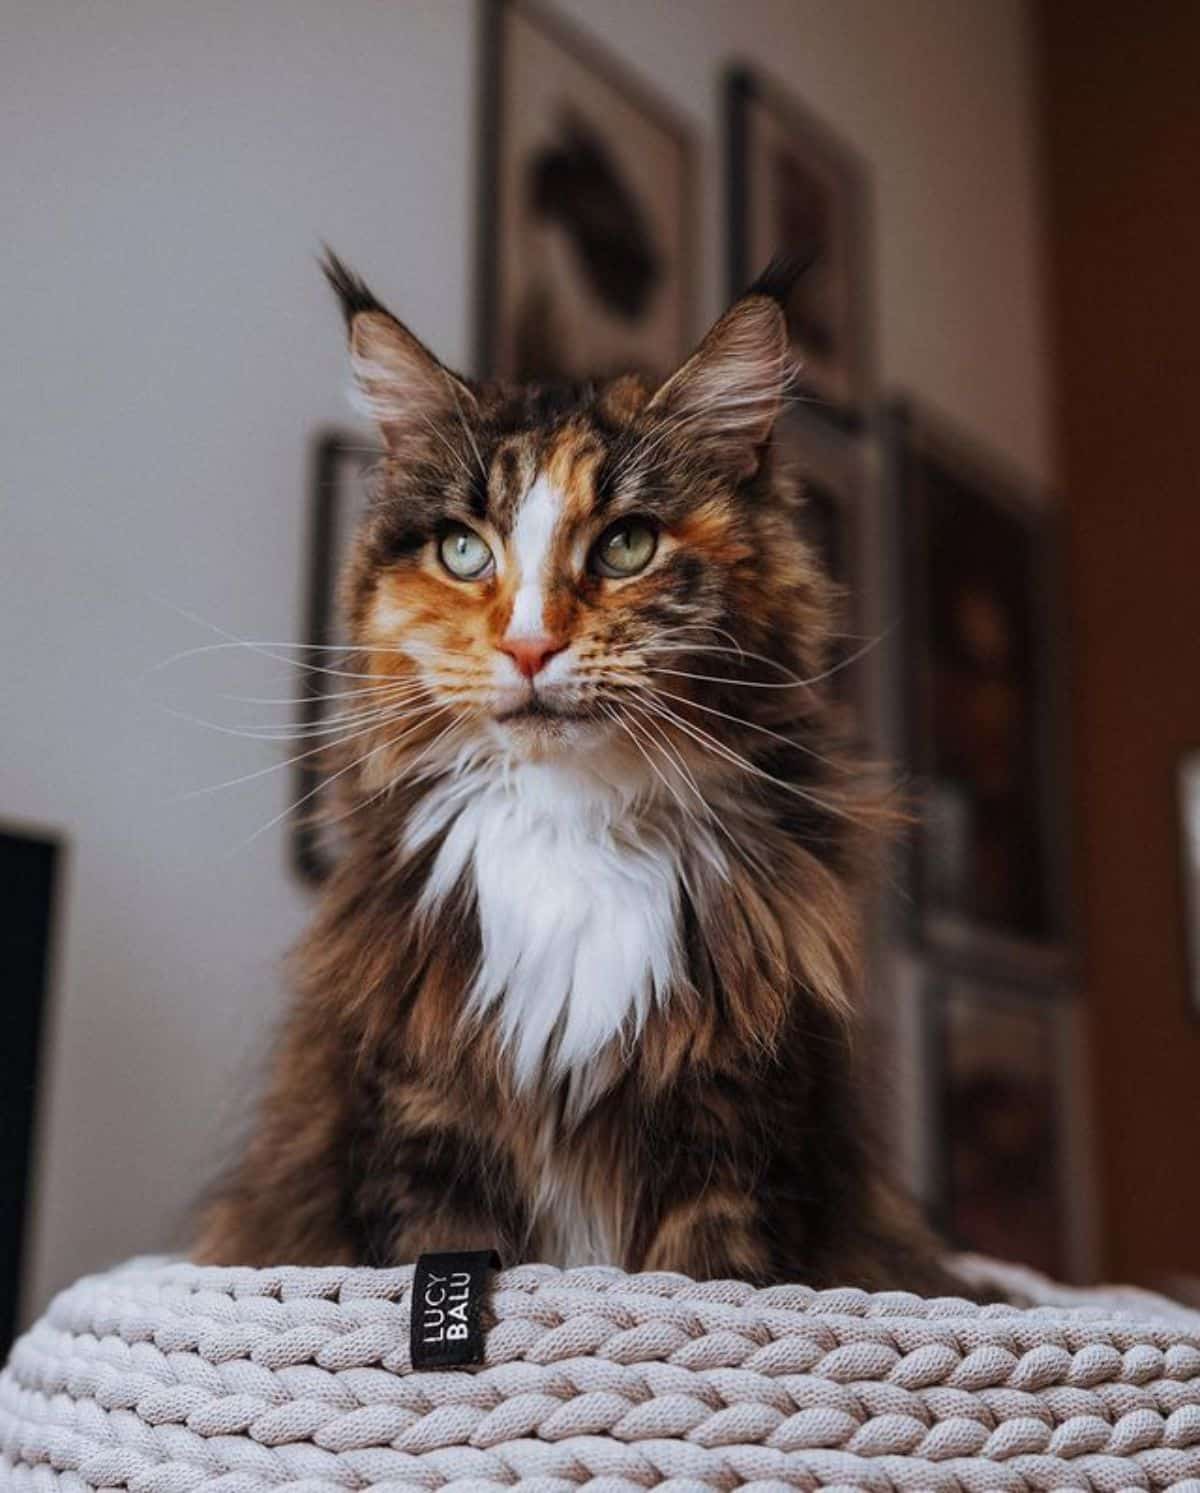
point(162, 1377)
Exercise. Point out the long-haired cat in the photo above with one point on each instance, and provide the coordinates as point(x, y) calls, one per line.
point(581, 986)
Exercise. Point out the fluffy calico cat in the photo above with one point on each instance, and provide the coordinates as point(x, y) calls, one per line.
point(581, 986)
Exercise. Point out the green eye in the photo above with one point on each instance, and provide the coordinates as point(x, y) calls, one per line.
point(625, 548)
point(464, 553)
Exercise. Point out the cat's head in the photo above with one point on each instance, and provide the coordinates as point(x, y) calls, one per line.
point(549, 569)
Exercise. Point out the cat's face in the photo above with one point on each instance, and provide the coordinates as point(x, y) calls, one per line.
point(543, 569)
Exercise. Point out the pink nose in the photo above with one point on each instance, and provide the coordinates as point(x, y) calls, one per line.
point(531, 655)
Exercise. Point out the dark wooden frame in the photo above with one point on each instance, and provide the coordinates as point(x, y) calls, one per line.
point(589, 54)
point(746, 89)
point(30, 970)
point(310, 854)
point(911, 433)
point(1189, 763)
point(835, 466)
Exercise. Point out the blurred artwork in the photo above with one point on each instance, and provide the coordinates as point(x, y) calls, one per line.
point(980, 701)
point(796, 190)
point(1001, 1127)
point(340, 466)
point(828, 485)
point(1189, 825)
point(587, 239)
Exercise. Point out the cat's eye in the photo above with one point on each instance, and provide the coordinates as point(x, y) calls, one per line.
point(625, 548)
point(464, 554)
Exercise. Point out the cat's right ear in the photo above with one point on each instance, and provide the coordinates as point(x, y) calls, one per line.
point(399, 382)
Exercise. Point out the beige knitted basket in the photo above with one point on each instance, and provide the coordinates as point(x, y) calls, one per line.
point(161, 1377)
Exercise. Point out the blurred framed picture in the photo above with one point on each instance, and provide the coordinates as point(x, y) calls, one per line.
point(586, 222)
point(338, 491)
point(795, 189)
point(32, 864)
point(828, 479)
point(982, 701)
point(1188, 788)
point(1001, 1071)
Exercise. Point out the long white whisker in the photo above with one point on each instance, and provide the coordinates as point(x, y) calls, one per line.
point(729, 679)
point(719, 749)
point(317, 696)
point(261, 772)
point(387, 788)
point(325, 782)
point(737, 720)
point(653, 766)
point(794, 681)
point(331, 726)
point(265, 651)
point(743, 852)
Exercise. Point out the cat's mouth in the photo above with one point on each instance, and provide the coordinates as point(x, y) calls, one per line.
point(539, 726)
point(536, 708)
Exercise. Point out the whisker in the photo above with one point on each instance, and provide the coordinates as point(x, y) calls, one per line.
point(261, 772)
point(728, 679)
point(389, 786)
point(316, 697)
point(325, 782)
point(331, 726)
point(653, 766)
point(795, 681)
point(265, 650)
point(745, 852)
point(737, 720)
point(740, 653)
point(726, 753)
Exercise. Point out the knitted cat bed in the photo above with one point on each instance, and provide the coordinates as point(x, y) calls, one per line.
point(162, 1377)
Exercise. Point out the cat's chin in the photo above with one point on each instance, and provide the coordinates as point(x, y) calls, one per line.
point(537, 733)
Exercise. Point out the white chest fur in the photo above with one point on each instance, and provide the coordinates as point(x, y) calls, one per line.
point(577, 886)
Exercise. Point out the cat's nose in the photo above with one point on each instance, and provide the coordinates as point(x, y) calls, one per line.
point(531, 654)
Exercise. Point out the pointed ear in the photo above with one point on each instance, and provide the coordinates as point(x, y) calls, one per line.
point(728, 394)
point(399, 382)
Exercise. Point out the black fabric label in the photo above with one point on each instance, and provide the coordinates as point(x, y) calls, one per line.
point(447, 1305)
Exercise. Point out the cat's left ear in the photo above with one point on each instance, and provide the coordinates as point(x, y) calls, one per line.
point(400, 384)
point(727, 396)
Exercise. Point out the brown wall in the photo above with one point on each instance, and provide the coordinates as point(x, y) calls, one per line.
point(1121, 102)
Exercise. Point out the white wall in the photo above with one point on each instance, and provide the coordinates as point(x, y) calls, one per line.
point(168, 172)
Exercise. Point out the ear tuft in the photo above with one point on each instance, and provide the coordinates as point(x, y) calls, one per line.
point(728, 394)
point(782, 276)
point(351, 289)
point(398, 381)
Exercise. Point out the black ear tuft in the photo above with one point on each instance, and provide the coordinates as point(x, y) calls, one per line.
point(351, 290)
point(780, 277)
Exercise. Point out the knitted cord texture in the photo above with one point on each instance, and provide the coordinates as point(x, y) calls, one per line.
point(163, 1377)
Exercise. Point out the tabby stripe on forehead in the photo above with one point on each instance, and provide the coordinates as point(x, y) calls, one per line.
point(507, 484)
point(532, 534)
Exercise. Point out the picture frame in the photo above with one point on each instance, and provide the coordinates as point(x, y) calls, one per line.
point(1011, 1180)
point(828, 477)
point(586, 237)
point(33, 871)
point(1187, 790)
point(796, 189)
point(981, 722)
point(339, 464)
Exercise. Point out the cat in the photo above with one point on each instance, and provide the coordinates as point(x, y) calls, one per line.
point(581, 987)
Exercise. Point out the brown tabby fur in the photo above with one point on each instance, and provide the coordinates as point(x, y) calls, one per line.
point(729, 1138)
